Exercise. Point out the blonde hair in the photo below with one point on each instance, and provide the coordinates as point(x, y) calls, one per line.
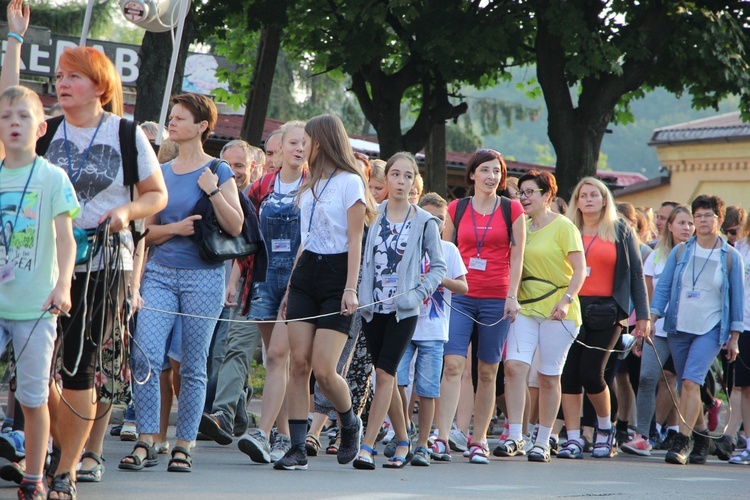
point(419, 183)
point(17, 93)
point(169, 150)
point(378, 170)
point(607, 229)
point(666, 241)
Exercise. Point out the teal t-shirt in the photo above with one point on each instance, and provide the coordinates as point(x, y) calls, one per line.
point(28, 234)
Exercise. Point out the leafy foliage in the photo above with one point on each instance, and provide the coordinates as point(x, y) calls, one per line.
point(67, 18)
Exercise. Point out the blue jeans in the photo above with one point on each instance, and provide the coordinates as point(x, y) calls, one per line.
point(693, 354)
point(428, 369)
point(491, 338)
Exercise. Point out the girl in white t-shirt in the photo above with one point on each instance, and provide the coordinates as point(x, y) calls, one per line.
point(678, 228)
point(334, 206)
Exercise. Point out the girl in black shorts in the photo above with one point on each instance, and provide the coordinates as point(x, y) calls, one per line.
point(334, 206)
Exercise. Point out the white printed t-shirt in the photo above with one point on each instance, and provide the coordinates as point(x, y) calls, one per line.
point(29, 227)
point(327, 232)
point(434, 314)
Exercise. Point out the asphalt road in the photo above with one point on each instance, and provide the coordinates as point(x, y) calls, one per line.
point(224, 472)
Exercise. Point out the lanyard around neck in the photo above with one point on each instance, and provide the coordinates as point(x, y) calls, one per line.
point(480, 243)
point(315, 200)
point(591, 243)
point(695, 278)
point(398, 236)
point(76, 174)
point(6, 241)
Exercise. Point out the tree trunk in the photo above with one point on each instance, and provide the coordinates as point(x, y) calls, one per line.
point(155, 54)
point(260, 90)
point(577, 148)
point(436, 174)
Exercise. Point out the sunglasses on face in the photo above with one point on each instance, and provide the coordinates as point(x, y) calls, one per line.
point(730, 232)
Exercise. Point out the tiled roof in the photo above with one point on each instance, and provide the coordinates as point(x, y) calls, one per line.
point(722, 128)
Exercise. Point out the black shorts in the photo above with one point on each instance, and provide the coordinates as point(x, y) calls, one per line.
point(316, 287)
point(93, 317)
point(742, 363)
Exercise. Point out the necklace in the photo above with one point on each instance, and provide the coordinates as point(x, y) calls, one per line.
point(480, 208)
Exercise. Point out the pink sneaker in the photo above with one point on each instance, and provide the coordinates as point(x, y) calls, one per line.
point(713, 415)
point(506, 432)
point(637, 446)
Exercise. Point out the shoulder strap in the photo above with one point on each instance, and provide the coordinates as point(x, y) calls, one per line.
point(214, 166)
point(505, 206)
point(42, 144)
point(129, 152)
point(460, 210)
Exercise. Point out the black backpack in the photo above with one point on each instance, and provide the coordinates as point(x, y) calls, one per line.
point(463, 204)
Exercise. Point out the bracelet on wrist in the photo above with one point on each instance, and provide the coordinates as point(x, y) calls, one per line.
point(16, 36)
point(215, 191)
point(511, 297)
point(353, 290)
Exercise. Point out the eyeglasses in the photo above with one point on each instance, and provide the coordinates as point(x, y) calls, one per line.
point(730, 232)
point(483, 151)
point(706, 216)
point(527, 193)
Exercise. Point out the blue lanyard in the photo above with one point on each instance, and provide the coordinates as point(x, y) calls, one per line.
point(480, 243)
point(695, 278)
point(74, 176)
point(277, 182)
point(315, 200)
point(384, 223)
point(591, 243)
point(6, 242)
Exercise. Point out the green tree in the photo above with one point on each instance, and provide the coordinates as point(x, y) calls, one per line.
point(396, 51)
point(616, 51)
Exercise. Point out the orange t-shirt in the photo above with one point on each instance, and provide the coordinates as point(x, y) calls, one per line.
point(601, 258)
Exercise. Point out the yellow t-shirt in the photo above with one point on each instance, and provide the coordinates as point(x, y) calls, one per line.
point(546, 257)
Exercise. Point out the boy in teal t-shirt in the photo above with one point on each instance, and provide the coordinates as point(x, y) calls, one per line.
point(37, 258)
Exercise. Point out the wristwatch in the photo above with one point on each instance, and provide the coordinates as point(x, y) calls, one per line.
point(570, 297)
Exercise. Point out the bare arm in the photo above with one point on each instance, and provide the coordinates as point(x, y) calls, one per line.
point(231, 289)
point(18, 22)
point(578, 261)
point(161, 233)
point(516, 267)
point(226, 202)
point(152, 198)
point(457, 285)
point(355, 218)
point(66, 256)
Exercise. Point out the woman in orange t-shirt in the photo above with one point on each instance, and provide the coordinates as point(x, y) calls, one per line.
point(611, 249)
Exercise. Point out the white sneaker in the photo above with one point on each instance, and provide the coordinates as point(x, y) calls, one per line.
point(389, 436)
point(281, 445)
point(458, 440)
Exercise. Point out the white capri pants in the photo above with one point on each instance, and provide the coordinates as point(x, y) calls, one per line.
point(33, 345)
point(550, 339)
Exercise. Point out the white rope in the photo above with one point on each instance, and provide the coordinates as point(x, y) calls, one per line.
point(269, 321)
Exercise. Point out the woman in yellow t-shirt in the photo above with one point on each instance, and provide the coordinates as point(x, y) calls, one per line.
point(553, 272)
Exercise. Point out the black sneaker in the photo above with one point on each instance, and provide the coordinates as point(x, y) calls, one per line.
point(701, 443)
point(668, 441)
point(678, 455)
point(350, 440)
point(723, 447)
point(216, 426)
point(294, 459)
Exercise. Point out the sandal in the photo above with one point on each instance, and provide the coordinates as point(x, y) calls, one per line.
point(397, 462)
point(312, 445)
point(139, 463)
point(54, 461)
point(333, 444)
point(93, 475)
point(177, 464)
point(62, 484)
point(32, 491)
point(162, 448)
point(128, 432)
point(364, 462)
point(13, 472)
